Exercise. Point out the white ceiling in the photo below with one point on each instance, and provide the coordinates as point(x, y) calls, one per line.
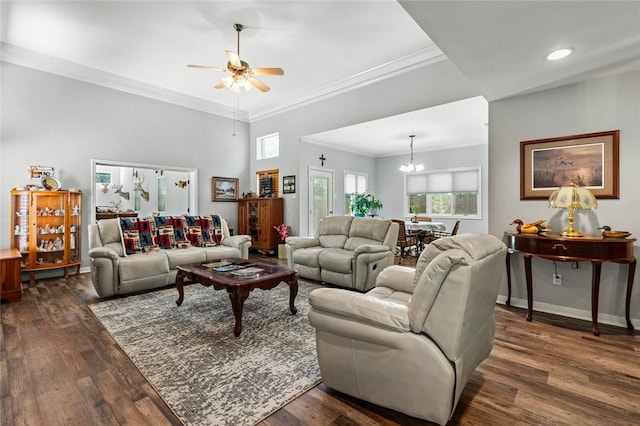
point(324, 47)
point(452, 125)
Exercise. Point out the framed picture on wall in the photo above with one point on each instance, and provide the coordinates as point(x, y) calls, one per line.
point(224, 189)
point(590, 160)
point(289, 184)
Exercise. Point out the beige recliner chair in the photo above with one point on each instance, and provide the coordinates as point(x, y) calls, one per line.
point(412, 342)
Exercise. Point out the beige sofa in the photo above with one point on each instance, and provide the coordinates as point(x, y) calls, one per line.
point(412, 342)
point(346, 251)
point(113, 272)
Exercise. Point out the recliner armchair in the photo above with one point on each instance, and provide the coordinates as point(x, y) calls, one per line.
point(412, 342)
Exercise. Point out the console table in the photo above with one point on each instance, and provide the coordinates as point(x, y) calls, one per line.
point(591, 248)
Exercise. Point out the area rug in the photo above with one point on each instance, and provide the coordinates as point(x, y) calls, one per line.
point(203, 372)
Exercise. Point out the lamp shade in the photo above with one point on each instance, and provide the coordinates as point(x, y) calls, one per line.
point(564, 196)
point(572, 198)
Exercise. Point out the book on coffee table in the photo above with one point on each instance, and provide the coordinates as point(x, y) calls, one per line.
point(244, 272)
point(213, 265)
point(226, 268)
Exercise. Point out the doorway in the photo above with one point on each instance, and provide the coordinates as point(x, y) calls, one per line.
point(320, 197)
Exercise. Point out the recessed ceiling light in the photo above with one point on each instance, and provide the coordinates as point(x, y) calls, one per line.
point(560, 53)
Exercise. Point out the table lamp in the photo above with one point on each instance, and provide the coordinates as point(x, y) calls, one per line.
point(571, 198)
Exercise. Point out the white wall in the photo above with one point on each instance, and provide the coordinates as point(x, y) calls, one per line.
point(607, 103)
point(391, 182)
point(442, 83)
point(56, 121)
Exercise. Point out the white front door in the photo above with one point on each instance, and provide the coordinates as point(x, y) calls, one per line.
point(320, 197)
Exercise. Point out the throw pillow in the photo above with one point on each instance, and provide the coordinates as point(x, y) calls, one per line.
point(194, 234)
point(216, 229)
point(166, 238)
point(146, 231)
point(202, 226)
point(131, 241)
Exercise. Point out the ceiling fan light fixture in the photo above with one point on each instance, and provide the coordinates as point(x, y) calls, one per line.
point(412, 166)
point(241, 75)
point(560, 53)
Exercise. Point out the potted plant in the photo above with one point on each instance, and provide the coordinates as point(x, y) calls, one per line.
point(364, 202)
point(283, 232)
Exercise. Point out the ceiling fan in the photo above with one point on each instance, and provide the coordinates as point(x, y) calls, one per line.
point(241, 75)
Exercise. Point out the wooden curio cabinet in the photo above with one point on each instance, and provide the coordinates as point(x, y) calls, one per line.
point(257, 217)
point(46, 228)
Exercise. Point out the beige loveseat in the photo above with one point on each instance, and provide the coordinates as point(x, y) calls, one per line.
point(115, 272)
point(346, 251)
point(412, 342)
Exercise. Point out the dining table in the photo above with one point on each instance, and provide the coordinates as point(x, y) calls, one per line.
point(421, 230)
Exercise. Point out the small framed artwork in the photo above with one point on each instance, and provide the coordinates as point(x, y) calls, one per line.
point(289, 184)
point(224, 189)
point(103, 178)
point(590, 160)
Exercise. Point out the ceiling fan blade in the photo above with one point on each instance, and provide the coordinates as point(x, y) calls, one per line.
point(206, 67)
point(268, 71)
point(233, 58)
point(220, 85)
point(259, 85)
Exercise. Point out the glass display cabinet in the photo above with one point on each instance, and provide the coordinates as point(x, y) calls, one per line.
point(46, 228)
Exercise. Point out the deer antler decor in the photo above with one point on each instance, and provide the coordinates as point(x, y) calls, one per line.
point(118, 190)
point(137, 186)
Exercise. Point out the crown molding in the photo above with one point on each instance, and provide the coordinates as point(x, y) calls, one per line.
point(32, 59)
point(403, 64)
point(41, 62)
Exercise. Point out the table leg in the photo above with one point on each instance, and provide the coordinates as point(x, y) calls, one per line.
point(293, 292)
point(180, 287)
point(508, 262)
point(595, 294)
point(630, 275)
point(238, 294)
point(527, 272)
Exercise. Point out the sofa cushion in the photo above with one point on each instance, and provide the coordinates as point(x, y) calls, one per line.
point(185, 256)
point(307, 256)
point(333, 231)
point(336, 260)
point(366, 231)
point(143, 265)
point(111, 235)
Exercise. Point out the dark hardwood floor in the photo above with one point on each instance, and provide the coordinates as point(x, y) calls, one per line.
point(58, 366)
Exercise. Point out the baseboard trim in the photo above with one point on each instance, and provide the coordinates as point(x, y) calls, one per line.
point(570, 312)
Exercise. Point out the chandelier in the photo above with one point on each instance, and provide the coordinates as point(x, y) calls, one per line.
point(411, 166)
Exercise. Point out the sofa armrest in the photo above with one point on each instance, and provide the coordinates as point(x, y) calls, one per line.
point(104, 263)
point(236, 240)
point(363, 308)
point(301, 242)
point(105, 252)
point(371, 248)
point(241, 242)
point(398, 278)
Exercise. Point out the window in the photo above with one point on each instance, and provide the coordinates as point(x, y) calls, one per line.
point(448, 193)
point(268, 146)
point(354, 183)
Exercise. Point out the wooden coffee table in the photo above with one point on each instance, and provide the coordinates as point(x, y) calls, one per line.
point(238, 287)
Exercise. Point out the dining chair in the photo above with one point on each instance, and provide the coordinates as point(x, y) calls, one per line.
point(406, 240)
point(443, 234)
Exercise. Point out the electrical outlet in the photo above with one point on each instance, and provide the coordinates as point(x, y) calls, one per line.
point(557, 279)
